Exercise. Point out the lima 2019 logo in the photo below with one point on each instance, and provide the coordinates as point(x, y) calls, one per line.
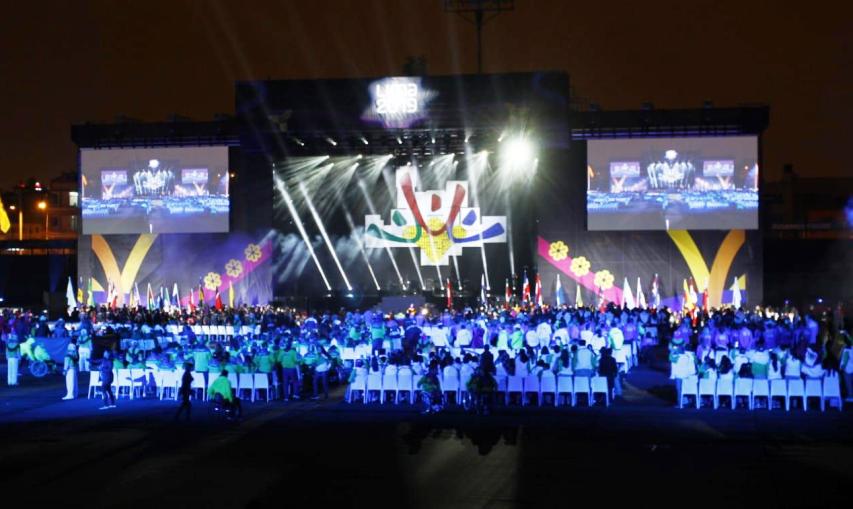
point(440, 222)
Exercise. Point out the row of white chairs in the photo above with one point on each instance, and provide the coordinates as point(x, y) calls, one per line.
point(762, 391)
point(216, 330)
point(164, 384)
point(404, 384)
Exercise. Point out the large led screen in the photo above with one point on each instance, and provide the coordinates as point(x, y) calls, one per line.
point(673, 184)
point(155, 190)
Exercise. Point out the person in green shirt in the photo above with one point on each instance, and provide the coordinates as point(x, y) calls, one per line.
point(222, 387)
point(201, 359)
point(289, 359)
point(263, 361)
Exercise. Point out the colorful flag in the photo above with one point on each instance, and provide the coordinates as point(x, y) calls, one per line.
point(90, 299)
point(449, 292)
point(217, 300)
point(685, 296)
point(525, 290)
point(736, 297)
point(191, 302)
point(176, 298)
point(231, 294)
point(149, 302)
point(578, 297)
point(641, 297)
point(558, 292)
point(113, 295)
point(201, 297)
point(705, 304)
point(538, 291)
point(80, 299)
point(484, 298)
point(628, 295)
point(655, 292)
point(133, 303)
point(71, 300)
point(694, 295)
point(508, 294)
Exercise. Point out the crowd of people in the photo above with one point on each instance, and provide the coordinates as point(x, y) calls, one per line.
point(303, 353)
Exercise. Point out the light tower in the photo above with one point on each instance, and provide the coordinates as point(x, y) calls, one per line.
point(478, 12)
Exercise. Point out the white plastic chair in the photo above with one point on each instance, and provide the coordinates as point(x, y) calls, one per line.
point(234, 381)
point(450, 383)
point(169, 385)
point(547, 385)
point(514, 384)
point(796, 389)
point(531, 386)
point(247, 383)
point(760, 389)
point(689, 387)
point(198, 384)
point(358, 384)
point(707, 387)
point(124, 381)
point(581, 386)
point(743, 387)
point(389, 384)
point(404, 384)
point(726, 388)
point(814, 390)
point(94, 384)
point(565, 387)
point(374, 384)
point(465, 375)
point(598, 385)
point(778, 389)
point(261, 382)
point(832, 390)
point(211, 377)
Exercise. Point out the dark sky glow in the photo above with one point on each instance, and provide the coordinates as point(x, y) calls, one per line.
point(65, 62)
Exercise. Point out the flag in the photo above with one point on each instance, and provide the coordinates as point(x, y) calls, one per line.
point(736, 297)
point(176, 298)
point(231, 294)
point(71, 300)
point(628, 295)
point(80, 299)
point(91, 297)
point(655, 292)
point(694, 296)
point(508, 295)
point(449, 293)
point(149, 302)
point(201, 296)
point(217, 300)
point(191, 302)
point(602, 302)
point(578, 297)
point(685, 296)
point(558, 292)
point(132, 298)
point(112, 296)
point(641, 298)
point(525, 290)
point(136, 296)
point(484, 298)
point(538, 291)
point(705, 297)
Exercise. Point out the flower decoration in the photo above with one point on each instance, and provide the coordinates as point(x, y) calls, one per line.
point(580, 266)
point(604, 279)
point(558, 250)
point(253, 252)
point(212, 281)
point(234, 268)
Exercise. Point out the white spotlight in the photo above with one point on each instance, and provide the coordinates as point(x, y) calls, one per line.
point(399, 140)
point(332, 142)
point(467, 138)
point(517, 151)
point(433, 140)
point(359, 156)
point(299, 142)
point(364, 140)
point(153, 164)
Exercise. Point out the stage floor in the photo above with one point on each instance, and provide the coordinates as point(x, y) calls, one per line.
point(642, 449)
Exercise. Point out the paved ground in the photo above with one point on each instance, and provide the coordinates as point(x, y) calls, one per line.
point(641, 450)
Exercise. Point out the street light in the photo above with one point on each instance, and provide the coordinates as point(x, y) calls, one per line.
point(42, 205)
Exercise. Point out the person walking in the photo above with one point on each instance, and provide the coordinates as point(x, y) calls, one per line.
point(106, 374)
point(70, 371)
point(13, 357)
point(185, 391)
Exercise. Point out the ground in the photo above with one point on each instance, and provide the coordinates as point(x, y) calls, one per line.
point(641, 450)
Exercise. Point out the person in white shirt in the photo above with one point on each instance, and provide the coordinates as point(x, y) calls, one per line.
point(463, 337)
point(793, 367)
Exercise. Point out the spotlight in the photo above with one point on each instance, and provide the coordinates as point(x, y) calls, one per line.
point(433, 140)
point(359, 156)
point(332, 142)
point(399, 140)
point(364, 140)
point(517, 151)
point(467, 138)
point(299, 142)
point(154, 164)
point(501, 137)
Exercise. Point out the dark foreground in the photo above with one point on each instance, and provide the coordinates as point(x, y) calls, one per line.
point(641, 451)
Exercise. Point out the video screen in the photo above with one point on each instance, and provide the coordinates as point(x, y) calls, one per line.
point(673, 184)
point(155, 190)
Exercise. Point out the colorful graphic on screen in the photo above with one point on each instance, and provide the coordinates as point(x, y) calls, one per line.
point(673, 183)
point(155, 190)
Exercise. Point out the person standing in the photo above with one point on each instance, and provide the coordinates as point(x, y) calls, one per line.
point(13, 357)
point(290, 365)
point(70, 370)
point(320, 367)
point(84, 348)
point(106, 375)
point(185, 391)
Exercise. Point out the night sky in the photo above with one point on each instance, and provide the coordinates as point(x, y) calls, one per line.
point(64, 62)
